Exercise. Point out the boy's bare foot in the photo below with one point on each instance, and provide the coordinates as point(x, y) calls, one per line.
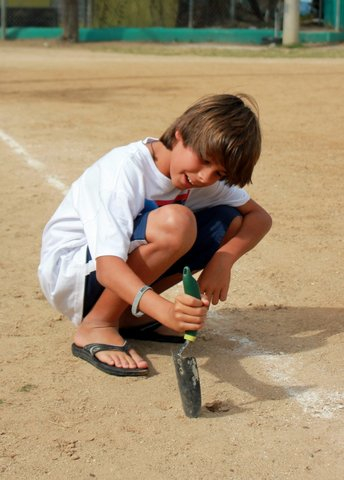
point(109, 335)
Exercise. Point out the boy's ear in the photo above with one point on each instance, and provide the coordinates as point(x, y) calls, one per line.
point(178, 135)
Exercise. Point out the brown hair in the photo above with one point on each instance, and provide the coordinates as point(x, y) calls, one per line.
point(223, 128)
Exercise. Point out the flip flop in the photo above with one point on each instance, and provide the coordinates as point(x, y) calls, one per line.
point(147, 332)
point(88, 352)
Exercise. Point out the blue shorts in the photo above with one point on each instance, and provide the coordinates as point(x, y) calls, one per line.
point(212, 225)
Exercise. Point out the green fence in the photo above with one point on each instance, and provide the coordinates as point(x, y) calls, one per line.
point(182, 35)
point(232, 21)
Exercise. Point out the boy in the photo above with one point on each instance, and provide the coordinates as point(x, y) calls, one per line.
point(138, 215)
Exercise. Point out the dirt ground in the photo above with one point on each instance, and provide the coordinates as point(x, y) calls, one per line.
point(271, 357)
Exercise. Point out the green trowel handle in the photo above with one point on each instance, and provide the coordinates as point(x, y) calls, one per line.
point(191, 288)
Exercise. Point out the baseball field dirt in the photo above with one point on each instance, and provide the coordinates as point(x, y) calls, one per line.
point(270, 358)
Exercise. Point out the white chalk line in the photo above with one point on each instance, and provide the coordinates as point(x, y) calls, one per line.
point(317, 402)
point(52, 180)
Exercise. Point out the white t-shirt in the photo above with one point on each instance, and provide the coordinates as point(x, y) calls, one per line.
point(99, 212)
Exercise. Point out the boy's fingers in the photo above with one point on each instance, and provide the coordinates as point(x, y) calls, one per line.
point(205, 300)
point(188, 324)
point(191, 305)
point(217, 296)
point(191, 316)
point(193, 323)
point(212, 296)
point(190, 321)
point(223, 296)
point(190, 312)
point(190, 300)
point(192, 326)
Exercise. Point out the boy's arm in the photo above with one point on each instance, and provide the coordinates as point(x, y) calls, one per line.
point(215, 278)
point(186, 313)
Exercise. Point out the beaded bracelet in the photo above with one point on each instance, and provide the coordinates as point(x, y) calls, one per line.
point(137, 299)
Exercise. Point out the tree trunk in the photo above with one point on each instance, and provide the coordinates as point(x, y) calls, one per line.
point(70, 21)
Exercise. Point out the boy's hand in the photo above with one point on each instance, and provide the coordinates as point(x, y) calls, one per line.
point(214, 281)
point(188, 313)
point(215, 278)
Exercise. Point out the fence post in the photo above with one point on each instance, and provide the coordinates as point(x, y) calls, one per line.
point(89, 14)
point(3, 19)
point(232, 9)
point(291, 22)
point(190, 22)
point(337, 20)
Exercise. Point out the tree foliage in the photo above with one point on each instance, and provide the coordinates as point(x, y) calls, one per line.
point(135, 13)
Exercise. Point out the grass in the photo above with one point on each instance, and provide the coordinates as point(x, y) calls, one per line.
point(27, 388)
point(202, 50)
point(221, 50)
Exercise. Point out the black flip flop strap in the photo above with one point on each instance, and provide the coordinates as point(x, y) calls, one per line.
point(94, 348)
point(149, 327)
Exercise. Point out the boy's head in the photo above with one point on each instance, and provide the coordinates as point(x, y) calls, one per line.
point(222, 128)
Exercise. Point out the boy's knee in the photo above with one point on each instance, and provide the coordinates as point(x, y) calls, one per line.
point(174, 225)
point(179, 216)
point(179, 222)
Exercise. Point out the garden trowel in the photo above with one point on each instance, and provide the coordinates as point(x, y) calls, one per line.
point(186, 367)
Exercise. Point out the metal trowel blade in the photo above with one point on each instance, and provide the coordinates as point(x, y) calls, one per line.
point(189, 384)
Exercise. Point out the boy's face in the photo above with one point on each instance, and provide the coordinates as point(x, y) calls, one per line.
point(189, 170)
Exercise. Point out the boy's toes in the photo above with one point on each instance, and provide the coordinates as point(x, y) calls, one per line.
point(122, 360)
point(107, 357)
point(139, 362)
point(126, 362)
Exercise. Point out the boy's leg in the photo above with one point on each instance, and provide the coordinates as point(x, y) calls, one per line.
point(215, 226)
point(173, 226)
